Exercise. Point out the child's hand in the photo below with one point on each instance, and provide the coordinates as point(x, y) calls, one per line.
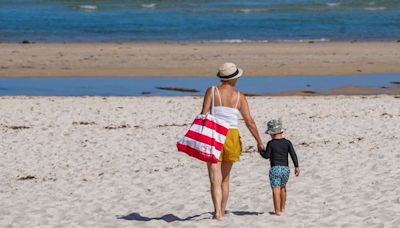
point(297, 171)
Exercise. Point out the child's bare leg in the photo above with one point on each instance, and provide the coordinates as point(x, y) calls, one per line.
point(283, 198)
point(276, 192)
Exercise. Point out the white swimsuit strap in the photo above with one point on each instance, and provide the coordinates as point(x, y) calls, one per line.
point(238, 98)
point(219, 97)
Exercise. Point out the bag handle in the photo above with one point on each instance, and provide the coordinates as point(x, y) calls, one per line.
point(212, 100)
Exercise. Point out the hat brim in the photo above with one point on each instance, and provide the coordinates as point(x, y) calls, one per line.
point(234, 77)
point(271, 132)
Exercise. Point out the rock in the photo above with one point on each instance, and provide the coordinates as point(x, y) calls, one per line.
point(309, 92)
point(172, 125)
point(17, 127)
point(112, 127)
point(179, 89)
point(29, 177)
point(305, 144)
point(83, 123)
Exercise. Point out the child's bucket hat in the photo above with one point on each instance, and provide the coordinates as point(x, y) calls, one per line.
point(274, 127)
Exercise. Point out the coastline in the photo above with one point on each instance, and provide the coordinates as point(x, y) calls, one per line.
point(198, 59)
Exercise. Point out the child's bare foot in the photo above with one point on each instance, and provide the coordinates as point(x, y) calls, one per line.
point(278, 213)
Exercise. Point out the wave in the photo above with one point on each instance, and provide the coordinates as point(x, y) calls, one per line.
point(149, 5)
point(305, 40)
point(375, 8)
point(244, 7)
point(245, 10)
point(88, 7)
point(289, 8)
point(235, 41)
point(248, 10)
point(267, 41)
point(333, 4)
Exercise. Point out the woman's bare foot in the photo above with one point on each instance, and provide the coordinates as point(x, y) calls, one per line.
point(278, 213)
point(218, 217)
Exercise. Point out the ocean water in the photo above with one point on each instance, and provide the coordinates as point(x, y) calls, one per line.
point(78, 86)
point(198, 20)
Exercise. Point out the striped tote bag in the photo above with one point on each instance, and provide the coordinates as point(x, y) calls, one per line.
point(205, 138)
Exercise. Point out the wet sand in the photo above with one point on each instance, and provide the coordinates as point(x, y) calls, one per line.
point(197, 59)
point(347, 90)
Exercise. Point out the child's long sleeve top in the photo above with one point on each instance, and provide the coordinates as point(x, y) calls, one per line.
point(277, 152)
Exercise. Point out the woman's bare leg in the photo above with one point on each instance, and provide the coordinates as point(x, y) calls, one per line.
point(276, 192)
point(226, 168)
point(283, 198)
point(215, 174)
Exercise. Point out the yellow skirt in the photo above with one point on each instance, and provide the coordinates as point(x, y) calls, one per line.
point(232, 147)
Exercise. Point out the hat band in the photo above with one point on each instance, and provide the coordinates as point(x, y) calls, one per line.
point(229, 76)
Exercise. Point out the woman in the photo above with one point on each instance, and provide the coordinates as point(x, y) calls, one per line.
point(228, 103)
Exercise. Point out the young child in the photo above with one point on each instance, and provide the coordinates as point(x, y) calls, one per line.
point(277, 151)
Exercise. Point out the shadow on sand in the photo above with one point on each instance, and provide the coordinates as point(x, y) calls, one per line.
point(173, 218)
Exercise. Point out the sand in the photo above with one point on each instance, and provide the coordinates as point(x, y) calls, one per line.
point(112, 162)
point(197, 59)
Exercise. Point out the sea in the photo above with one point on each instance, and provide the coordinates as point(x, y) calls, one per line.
point(195, 86)
point(198, 20)
point(235, 21)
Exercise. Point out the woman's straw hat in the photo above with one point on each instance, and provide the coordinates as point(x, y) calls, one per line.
point(229, 71)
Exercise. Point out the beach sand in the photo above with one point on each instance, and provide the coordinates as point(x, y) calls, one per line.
point(112, 162)
point(197, 59)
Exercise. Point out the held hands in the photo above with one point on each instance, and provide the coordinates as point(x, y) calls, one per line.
point(260, 147)
point(297, 171)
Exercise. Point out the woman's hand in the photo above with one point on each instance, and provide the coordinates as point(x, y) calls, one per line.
point(260, 147)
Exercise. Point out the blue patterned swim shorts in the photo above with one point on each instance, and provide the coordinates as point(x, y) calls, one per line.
point(279, 176)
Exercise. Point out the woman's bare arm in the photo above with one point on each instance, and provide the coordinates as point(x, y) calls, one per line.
point(250, 123)
point(206, 101)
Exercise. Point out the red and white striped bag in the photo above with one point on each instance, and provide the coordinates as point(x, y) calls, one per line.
point(205, 138)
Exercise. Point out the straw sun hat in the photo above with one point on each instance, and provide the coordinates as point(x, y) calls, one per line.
point(229, 71)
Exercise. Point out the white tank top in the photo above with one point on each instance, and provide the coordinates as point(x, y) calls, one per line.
point(228, 114)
